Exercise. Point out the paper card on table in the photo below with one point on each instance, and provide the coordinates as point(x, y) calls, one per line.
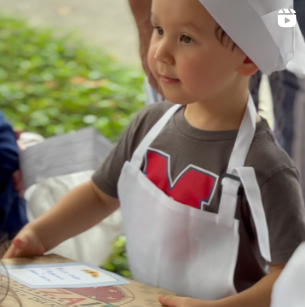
point(63, 275)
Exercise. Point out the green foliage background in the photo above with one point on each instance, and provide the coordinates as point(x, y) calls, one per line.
point(52, 84)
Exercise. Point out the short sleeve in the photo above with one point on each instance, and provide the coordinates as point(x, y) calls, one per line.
point(285, 213)
point(107, 176)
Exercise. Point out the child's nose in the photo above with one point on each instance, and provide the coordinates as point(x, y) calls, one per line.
point(163, 53)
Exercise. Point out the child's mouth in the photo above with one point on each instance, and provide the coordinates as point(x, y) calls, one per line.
point(168, 80)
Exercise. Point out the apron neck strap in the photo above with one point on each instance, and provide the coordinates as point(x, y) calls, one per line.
point(241, 147)
point(230, 186)
point(138, 155)
point(238, 174)
point(244, 137)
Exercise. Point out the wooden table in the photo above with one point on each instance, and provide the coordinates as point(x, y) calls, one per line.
point(130, 295)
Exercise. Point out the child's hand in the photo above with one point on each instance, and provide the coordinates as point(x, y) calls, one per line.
point(26, 243)
point(176, 301)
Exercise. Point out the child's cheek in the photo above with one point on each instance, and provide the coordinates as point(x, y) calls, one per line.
point(197, 78)
point(191, 74)
point(152, 62)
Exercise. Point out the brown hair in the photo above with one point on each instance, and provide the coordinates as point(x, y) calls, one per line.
point(224, 38)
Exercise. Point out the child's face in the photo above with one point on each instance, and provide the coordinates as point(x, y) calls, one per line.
point(185, 55)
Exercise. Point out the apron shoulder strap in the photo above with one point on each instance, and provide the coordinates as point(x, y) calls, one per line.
point(228, 203)
point(244, 137)
point(253, 194)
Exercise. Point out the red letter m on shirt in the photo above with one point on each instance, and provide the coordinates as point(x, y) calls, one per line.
point(193, 187)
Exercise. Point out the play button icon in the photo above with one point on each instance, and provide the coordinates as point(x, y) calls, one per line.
point(287, 18)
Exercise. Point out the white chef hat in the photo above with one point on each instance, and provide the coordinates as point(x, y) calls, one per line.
point(253, 26)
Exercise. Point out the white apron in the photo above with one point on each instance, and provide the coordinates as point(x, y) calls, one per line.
point(185, 250)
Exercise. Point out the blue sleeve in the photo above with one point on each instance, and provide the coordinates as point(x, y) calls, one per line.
point(9, 158)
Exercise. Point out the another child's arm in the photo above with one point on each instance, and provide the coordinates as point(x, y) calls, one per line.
point(141, 11)
point(257, 296)
point(8, 153)
point(80, 209)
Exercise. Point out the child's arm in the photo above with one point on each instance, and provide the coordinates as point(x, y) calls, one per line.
point(257, 296)
point(80, 209)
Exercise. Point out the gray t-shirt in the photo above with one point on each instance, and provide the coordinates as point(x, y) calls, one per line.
point(183, 161)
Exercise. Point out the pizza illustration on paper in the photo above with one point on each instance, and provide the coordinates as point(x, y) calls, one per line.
point(77, 297)
point(94, 274)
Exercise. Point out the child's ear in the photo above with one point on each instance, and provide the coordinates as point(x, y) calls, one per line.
point(247, 68)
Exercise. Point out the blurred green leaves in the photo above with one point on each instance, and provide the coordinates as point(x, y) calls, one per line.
point(51, 83)
point(117, 262)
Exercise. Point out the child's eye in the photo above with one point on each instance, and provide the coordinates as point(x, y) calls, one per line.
point(186, 39)
point(159, 31)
